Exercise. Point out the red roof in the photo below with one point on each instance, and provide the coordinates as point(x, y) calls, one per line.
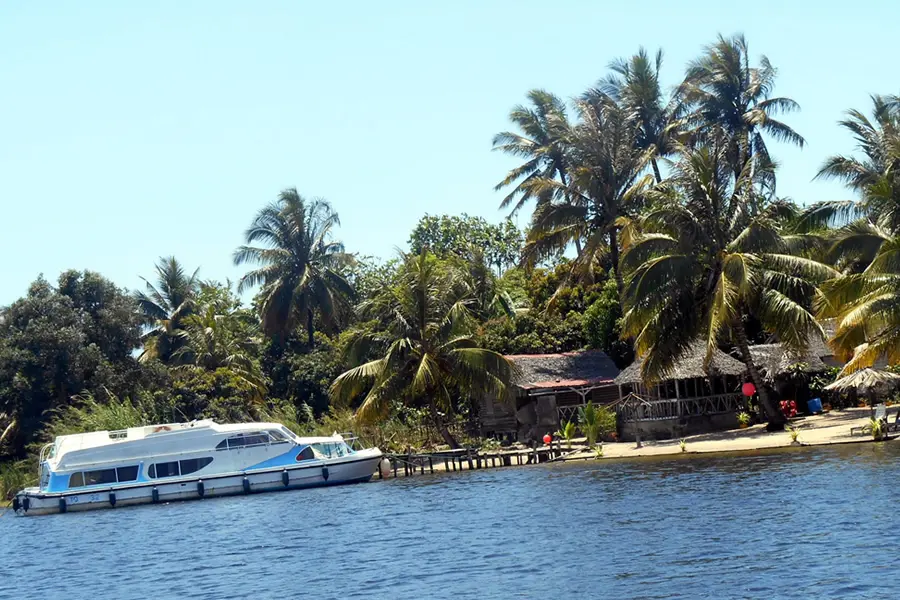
point(566, 383)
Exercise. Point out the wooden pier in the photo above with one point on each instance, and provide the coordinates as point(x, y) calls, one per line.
point(448, 461)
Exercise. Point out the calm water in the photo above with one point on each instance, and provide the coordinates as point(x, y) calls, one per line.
point(803, 524)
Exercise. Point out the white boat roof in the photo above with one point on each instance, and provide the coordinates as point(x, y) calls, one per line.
point(170, 432)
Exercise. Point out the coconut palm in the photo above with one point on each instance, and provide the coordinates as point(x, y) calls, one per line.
point(865, 244)
point(712, 254)
point(427, 355)
point(863, 226)
point(300, 268)
point(728, 97)
point(214, 341)
point(607, 180)
point(542, 144)
point(634, 85)
point(164, 307)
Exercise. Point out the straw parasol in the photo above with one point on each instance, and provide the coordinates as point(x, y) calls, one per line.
point(865, 381)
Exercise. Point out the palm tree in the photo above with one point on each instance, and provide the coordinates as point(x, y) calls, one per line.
point(428, 356)
point(300, 269)
point(865, 225)
point(728, 97)
point(164, 307)
point(712, 254)
point(213, 341)
point(606, 183)
point(542, 144)
point(864, 299)
point(634, 85)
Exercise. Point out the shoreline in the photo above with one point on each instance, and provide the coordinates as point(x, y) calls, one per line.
point(826, 429)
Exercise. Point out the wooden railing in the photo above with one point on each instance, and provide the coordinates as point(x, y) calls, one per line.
point(642, 409)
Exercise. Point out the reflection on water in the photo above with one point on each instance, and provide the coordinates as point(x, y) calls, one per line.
point(807, 523)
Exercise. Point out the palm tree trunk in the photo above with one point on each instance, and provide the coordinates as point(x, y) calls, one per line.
point(614, 258)
point(442, 426)
point(656, 172)
point(309, 327)
point(774, 415)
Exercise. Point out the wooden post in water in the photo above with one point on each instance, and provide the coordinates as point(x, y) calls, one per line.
point(431, 465)
point(394, 463)
point(446, 465)
point(469, 458)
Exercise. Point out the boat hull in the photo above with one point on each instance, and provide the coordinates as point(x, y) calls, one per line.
point(357, 468)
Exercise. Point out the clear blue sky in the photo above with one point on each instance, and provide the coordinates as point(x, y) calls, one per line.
point(131, 130)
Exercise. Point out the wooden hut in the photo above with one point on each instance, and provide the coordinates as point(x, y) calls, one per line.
point(692, 398)
point(780, 366)
point(549, 388)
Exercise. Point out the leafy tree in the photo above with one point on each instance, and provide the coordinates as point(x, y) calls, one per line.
point(450, 235)
point(214, 340)
point(369, 275)
point(164, 307)
point(602, 326)
point(56, 343)
point(300, 268)
point(532, 333)
point(428, 354)
point(709, 256)
point(219, 394)
point(301, 375)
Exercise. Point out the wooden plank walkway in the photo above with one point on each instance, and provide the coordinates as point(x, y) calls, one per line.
point(406, 465)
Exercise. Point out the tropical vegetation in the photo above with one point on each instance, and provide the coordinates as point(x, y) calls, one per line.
point(653, 222)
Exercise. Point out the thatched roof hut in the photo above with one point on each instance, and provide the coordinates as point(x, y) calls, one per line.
point(775, 359)
point(689, 366)
point(564, 370)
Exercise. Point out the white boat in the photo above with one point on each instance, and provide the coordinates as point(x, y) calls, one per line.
point(186, 461)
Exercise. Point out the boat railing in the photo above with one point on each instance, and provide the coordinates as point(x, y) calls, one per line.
point(351, 440)
point(45, 453)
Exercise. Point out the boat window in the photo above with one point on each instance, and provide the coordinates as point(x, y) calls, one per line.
point(76, 480)
point(100, 477)
point(193, 465)
point(277, 436)
point(332, 449)
point(241, 440)
point(166, 469)
point(306, 454)
point(287, 432)
point(127, 473)
point(256, 439)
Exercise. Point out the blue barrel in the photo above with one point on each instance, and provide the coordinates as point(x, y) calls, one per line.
point(814, 405)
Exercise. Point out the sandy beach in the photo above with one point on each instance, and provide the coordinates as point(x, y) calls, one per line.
point(817, 430)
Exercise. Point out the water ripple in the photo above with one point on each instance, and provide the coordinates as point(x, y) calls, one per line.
point(800, 524)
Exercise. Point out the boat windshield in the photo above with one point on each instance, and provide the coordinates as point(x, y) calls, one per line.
point(290, 434)
point(331, 449)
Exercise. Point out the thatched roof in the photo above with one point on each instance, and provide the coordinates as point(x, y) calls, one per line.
point(775, 359)
point(565, 370)
point(865, 381)
point(689, 366)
